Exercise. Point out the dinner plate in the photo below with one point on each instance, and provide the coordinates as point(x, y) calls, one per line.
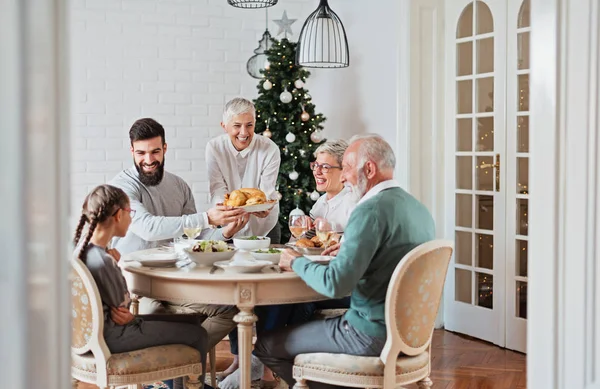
point(243, 266)
point(158, 259)
point(306, 250)
point(259, 207)
point(322, 259)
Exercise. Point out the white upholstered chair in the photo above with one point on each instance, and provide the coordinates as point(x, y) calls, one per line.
point(412, 302)
point(93, 363)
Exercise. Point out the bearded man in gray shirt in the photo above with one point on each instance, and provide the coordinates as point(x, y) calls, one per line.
point(162, 202)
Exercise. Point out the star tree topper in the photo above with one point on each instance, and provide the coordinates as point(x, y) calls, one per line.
point(285, 25)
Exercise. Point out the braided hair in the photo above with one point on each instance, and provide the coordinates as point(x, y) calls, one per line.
point(99, 205)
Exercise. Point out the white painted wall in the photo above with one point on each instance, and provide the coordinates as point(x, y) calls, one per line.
point(180, 60)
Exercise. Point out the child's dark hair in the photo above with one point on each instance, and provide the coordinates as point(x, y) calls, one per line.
point(146, 128)
point(100, 204)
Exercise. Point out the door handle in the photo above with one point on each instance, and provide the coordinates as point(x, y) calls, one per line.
point(494, 166)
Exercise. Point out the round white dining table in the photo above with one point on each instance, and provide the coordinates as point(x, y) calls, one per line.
point(207, 285)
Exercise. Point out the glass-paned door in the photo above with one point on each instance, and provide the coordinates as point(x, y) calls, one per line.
point(517, 164)
point(488, 157)
point(476, 43)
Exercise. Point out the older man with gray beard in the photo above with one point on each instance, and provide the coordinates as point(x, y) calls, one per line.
point(385, 225)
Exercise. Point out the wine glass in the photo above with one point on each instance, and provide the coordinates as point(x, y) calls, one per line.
point(298, 225)
point(191, 227)
point(326, 231)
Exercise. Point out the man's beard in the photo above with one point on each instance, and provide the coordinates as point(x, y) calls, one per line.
point(360, 189)
point(154, 178)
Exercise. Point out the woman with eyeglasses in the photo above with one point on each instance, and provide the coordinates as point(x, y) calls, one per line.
point(335, 205)
point(338, 201)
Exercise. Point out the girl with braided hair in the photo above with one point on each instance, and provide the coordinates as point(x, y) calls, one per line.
point(106, 211)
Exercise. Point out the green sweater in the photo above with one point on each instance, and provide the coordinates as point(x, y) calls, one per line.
point(381, 230)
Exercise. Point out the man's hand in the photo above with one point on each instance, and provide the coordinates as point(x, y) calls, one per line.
point(114, 253)
point(287, 256)
point(222, 215)
point(332, 250)
point(233, 227)
point(121, 316)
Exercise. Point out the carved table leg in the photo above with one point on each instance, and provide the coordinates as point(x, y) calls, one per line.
point(135, 304)
point(245, 320)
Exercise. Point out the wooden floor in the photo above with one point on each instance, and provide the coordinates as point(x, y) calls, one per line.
point(458, 362)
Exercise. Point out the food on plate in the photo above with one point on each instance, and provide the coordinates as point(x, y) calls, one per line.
point(211, 246)
point(245, 196)
point(253, 237)
point(269, 251)
point(305, 243)
point(316, 241)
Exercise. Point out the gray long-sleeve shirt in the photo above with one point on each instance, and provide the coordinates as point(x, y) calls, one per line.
point(109, 280)
point(160, 211)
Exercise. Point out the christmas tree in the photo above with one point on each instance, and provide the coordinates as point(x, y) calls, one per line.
point(285, 113)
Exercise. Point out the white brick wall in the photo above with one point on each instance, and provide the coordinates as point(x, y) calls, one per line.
point(177, 61)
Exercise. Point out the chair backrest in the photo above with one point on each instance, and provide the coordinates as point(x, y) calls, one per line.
point(413, 298)
point(87, 319)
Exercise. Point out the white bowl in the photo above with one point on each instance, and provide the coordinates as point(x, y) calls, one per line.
point(208, 259)
point(244, 244)
point(271, 257)
point(243, 266)
point(158, 259)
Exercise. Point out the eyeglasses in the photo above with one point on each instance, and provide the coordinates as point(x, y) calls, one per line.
point(324, 167)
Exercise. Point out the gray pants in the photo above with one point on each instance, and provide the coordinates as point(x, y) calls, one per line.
point(217, 320)
point(159, 330)
point(277, 349)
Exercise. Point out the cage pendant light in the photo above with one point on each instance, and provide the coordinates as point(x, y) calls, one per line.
point(323, 42)
point(252, 3)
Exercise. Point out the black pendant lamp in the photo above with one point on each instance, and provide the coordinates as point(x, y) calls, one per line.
point(323, 42)
point(252, 3)
point(257, 62)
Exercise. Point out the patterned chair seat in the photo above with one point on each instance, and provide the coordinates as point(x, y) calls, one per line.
point(123, 367)
point(411, 305)
point(359, 365)
point(91, 360)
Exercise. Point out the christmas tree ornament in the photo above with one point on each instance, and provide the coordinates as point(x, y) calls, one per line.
point(277, 195)
point(316, 136)
point(307, 96)
point(290, 137)
point(304, 116)
point(285, 96)
point(267, 133)
point(267, 85)
point(285, 25)
point(297, 212)
point(302, 152)
point(267, 65)
point(299, 84)
point(314, 196)
point(294, 175)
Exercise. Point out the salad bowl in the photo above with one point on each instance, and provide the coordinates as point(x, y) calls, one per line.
point(253, 242)
point(207, 252)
